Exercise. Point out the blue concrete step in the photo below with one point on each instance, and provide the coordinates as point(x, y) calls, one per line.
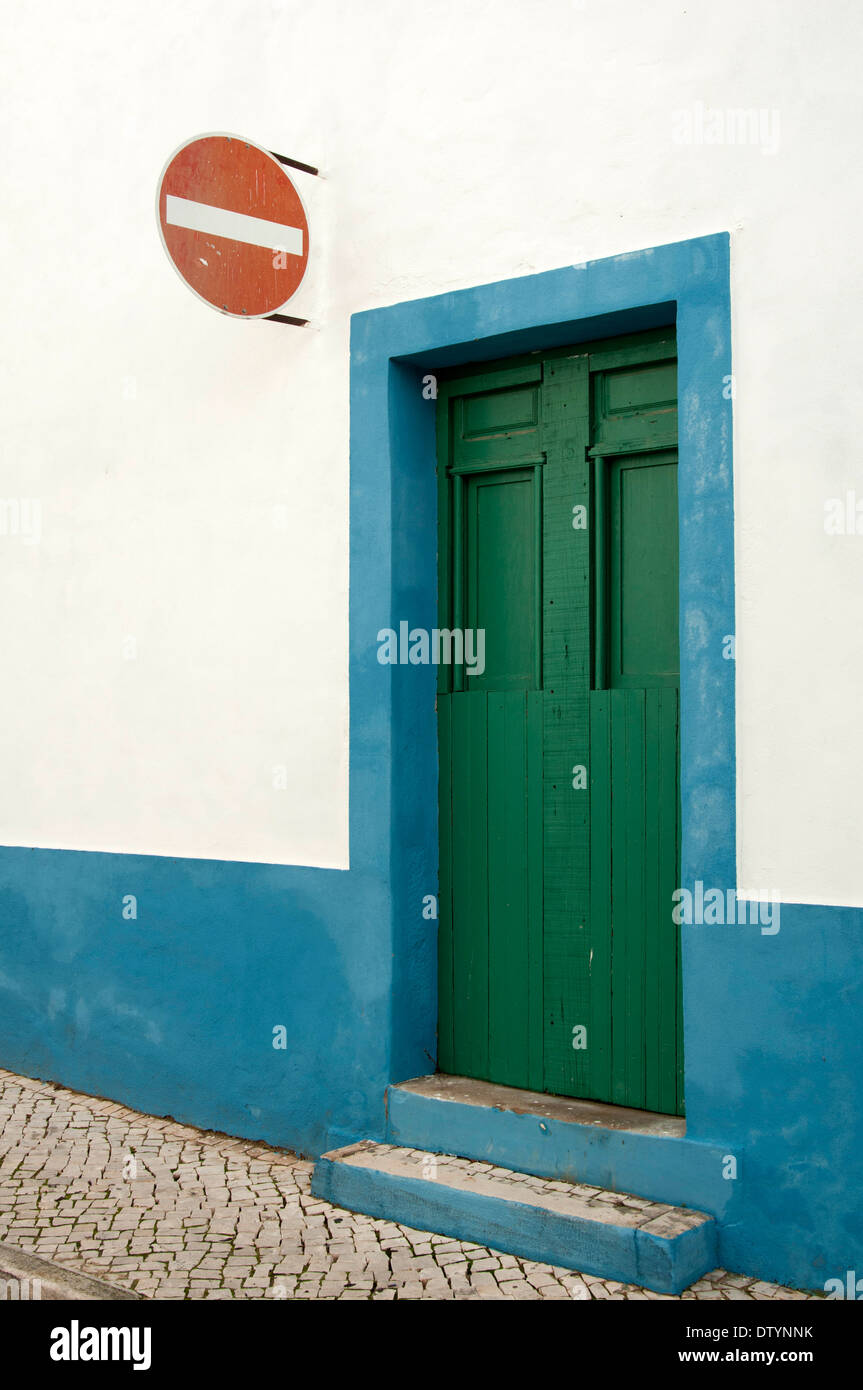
point(609, 1146)
point(609, 1234)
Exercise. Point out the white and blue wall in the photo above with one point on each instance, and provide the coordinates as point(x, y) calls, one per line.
point(218, 809)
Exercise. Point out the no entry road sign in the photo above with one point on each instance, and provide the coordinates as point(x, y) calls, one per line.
point(233, 225)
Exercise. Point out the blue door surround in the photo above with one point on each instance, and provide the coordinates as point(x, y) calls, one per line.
point(174, 1012)
point(393, 566)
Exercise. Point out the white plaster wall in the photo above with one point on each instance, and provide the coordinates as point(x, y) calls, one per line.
point(462, 142)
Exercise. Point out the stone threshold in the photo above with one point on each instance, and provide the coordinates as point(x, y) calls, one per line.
point(465, 1090)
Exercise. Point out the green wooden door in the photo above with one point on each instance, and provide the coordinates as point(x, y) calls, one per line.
point(559, 783)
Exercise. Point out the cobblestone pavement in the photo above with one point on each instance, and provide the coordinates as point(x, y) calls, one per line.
point(175, 1212)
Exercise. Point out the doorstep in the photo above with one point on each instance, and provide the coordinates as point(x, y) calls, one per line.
point(611, 1147)
point(570, 1225)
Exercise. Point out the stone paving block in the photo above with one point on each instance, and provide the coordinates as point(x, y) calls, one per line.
point(208, 1216)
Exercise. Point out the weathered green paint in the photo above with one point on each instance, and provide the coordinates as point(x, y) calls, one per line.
point(642, 572)
point(491, 732)
point(559, 762)
point(566, 684)
point(634, 733)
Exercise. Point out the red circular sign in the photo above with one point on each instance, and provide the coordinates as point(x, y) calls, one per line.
point(233, 224)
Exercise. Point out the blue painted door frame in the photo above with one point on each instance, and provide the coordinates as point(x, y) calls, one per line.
point(394, 354)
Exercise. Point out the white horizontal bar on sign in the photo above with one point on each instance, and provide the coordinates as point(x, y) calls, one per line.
point(238, 226)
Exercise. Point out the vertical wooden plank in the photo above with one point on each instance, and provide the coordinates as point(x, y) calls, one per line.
point(540, 564)
point(470, 883)
point(618, 895)
point(508, 998)
point(457, 677)
point(627, 759)
point(566, 739)
point(599, 964)
point(668, 969)
point(445, 1059)
point(600, 575)
point(656, 937)
point(636, 822)
point(533, 748)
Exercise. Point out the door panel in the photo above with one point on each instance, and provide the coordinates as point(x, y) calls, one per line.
point(559, 763)
point(514, 879)
point(501, 575)
point(643, 582)
point(491, 885)
point(491, 741)
point(567, 927)
point(495, 412)
point(634, 825)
